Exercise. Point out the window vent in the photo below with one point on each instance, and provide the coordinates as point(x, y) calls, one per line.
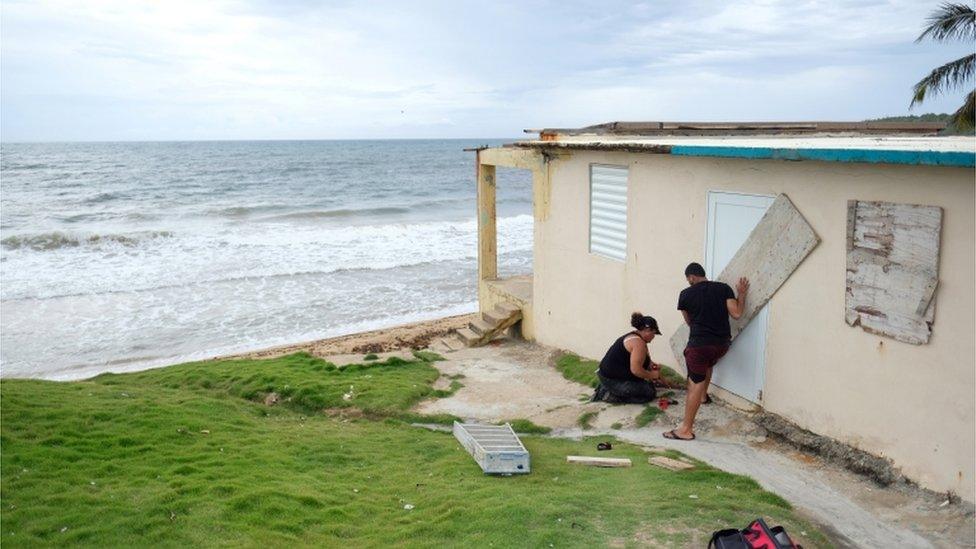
point(608, 211)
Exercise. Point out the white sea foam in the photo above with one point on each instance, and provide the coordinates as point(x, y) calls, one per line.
point(102, 265)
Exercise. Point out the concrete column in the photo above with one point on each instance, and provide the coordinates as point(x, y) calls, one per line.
point(487, 234)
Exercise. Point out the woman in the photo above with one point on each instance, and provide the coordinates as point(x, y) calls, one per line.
point(626, 372)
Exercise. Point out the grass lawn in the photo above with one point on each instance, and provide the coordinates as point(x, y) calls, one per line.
point(191, 455)
point(582, 370)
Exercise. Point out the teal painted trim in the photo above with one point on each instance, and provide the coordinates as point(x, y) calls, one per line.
point(871, 156)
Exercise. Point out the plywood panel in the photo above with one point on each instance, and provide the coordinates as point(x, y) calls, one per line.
point(774, 249)
point(893, 268)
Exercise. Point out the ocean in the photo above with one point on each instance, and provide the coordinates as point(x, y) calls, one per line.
point(126, 256)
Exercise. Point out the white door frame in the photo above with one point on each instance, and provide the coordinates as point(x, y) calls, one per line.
point(762, 317)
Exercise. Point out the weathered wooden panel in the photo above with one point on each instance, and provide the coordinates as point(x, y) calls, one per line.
point(775, 248)
point(893, 268)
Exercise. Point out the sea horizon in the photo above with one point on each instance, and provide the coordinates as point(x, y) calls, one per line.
point(259, 140)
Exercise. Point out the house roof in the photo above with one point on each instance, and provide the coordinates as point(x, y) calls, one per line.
point(870, 142)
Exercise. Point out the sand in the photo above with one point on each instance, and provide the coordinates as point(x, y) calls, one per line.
point(417, 335)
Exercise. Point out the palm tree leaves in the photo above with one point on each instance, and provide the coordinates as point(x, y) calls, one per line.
point(951, 22)
point(953, 74)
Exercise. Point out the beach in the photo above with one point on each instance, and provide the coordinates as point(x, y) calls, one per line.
point(415, 335)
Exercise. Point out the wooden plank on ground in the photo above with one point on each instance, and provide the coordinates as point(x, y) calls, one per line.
point(774, 249)
point(893, 268)
point(599, 461)
point(668, 463)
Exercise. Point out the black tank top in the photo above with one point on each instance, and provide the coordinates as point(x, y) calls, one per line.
point(616, 363)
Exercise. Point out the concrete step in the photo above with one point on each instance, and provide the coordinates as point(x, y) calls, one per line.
point(468, 336)
point(438, 346)
point(494, 317)
point(453, 342)
point(508, 308)
point(482, 327)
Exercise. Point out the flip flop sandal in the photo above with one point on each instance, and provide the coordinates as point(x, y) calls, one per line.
point(708, 399)
point(671, 435)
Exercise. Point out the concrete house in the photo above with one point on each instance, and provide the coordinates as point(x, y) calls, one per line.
point(870, 339)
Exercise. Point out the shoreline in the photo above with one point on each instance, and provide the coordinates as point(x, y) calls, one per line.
point(413, 335)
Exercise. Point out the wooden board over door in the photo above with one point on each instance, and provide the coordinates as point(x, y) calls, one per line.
point(774, 249)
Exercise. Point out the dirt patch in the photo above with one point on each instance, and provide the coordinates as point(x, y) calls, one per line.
point(507, 381)
point(344, 413)
point(418, 335)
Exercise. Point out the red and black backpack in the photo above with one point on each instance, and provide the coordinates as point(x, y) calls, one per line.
point(758, 535)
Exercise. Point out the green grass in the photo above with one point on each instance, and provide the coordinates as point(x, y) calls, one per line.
point(578, 369)
point(586, 420)
point(582, 370)
point(428, 356)
point(525, 426)
point(371, 356)
point(444, 393)
point(190, 456)
point(647, 415)
point(617, 425)
point(673, 379)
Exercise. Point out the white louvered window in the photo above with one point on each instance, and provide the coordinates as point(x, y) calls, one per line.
point(608, 211)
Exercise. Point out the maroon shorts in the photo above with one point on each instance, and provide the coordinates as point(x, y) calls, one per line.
point(700, 359)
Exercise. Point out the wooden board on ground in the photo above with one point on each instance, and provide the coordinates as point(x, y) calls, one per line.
point(892, 268)
point(774, 249)
point(598, 461)
point(668, 463)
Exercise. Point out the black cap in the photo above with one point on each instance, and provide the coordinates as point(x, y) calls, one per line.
point(648, 322)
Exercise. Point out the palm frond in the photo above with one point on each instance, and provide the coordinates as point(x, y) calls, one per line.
point(965, 118)
point(949, 76)
point(950, 21)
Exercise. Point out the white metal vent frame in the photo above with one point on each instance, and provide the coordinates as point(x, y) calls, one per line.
point(608, 211)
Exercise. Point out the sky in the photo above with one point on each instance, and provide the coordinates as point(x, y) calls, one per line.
point(105, 70)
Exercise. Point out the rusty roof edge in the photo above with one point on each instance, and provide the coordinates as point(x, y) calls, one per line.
point(740, 128)
point(844, 155)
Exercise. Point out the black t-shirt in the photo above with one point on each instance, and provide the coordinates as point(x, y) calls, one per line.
point(706, 305)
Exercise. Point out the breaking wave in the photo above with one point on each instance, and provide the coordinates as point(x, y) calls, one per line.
point(56, 240)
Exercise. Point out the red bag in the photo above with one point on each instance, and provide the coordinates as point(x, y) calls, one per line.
point(758, 535)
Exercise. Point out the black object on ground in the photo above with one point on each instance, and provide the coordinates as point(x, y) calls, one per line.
point(604, 446)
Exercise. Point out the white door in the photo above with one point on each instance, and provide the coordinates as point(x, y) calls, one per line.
point(731, 217)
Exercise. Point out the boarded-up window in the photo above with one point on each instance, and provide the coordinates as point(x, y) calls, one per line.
point(893, 268)
point(608, 211)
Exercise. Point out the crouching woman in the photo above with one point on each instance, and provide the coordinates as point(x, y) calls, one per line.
point(626, 372)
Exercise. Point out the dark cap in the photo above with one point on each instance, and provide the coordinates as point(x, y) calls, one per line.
point(648, 322)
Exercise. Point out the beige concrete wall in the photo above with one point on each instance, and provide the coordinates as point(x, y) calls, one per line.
point(491, 295)
point(913, 404)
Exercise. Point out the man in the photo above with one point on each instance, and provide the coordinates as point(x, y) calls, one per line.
point(706, 306)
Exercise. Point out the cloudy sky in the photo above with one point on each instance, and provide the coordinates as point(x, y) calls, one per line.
point(295, 69)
